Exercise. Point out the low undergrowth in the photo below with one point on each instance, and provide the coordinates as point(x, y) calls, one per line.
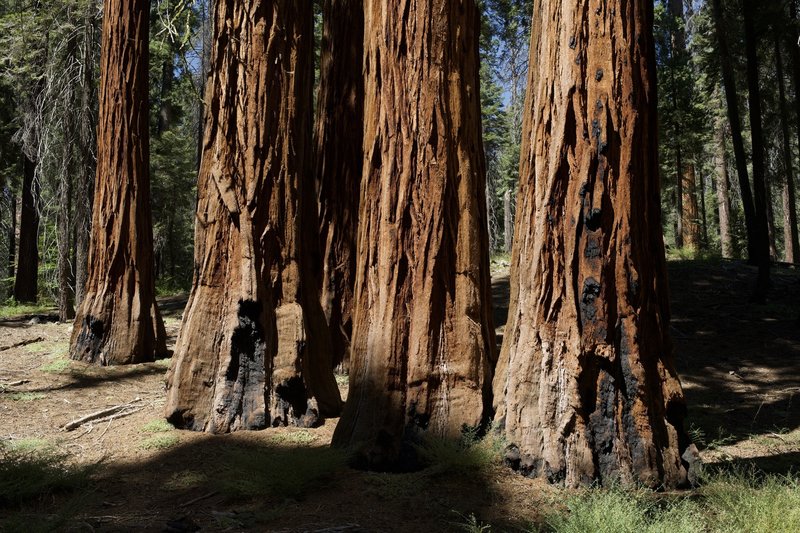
point(727, 502)
point(468, 455)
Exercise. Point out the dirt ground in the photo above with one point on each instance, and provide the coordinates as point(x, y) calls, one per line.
point(738, 363)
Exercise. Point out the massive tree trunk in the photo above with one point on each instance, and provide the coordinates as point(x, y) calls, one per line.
point(760, 194)
point(690, 212)
point(723, 192)
point(254, 350)
point(422, 337)
point(26, 283)
point(338, 160)
point(585, 388)
point(118, 321)
point(732, 100)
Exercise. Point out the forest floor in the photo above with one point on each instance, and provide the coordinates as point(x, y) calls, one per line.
point(739, 365)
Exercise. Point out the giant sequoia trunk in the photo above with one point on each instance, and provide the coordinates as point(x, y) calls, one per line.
point(422, 336)
point(585, 388)
point(254, 350)
point(338, 159)
point(118, 321)
point(26, 282)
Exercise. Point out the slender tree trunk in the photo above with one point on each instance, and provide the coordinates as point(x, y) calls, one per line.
point(26, 283)
point(789, 195)
point(12, 239)
point(508, 222)
point(64, 218)
point(118, 321)
point(680, 197)
point(732, 99)
point(84, 190)
point(265, 360)
point(166, 111)
point(682, 220)
point(760, 193)
point(723, 193)
point(690, 213)
point(338, 159)
point(585, 389)
point(423, 340)
point(701, 195)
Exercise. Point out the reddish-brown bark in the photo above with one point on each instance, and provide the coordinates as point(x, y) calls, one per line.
point(422, 337)
point(690, 213)
point(723, 191)
point(118, 321)
point(585, 388)
point(254, 350)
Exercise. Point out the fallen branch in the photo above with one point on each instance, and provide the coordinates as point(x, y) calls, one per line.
point(199, 498)
point(103, 414)
point(15, 383)
point(21, 343)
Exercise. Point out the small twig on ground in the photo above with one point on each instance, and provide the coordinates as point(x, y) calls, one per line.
point(199, 498)
point(103, 414)
point(776, 436)
point(21, 343)
point(16, 383)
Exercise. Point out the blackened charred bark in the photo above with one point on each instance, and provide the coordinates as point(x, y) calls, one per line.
point(585, 388)
point(26, 283)
point(423, 341)
point(118, 321)
point(254, 349)
point(338, 159)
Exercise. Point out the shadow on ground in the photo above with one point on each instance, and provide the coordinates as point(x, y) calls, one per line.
point(739, 362)
point(244, 481)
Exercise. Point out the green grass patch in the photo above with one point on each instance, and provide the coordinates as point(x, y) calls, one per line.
point(28, 445)
point(300, 436)
point(14, 310)
point(157, 426)
point(56, 366)
point(618, 511)
point(279, 472)
point(188, 479)
point(25, 396)
point(743, 502)
point(159, 442)
point(163, 363)
point(466, 455)
point(342, 379)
